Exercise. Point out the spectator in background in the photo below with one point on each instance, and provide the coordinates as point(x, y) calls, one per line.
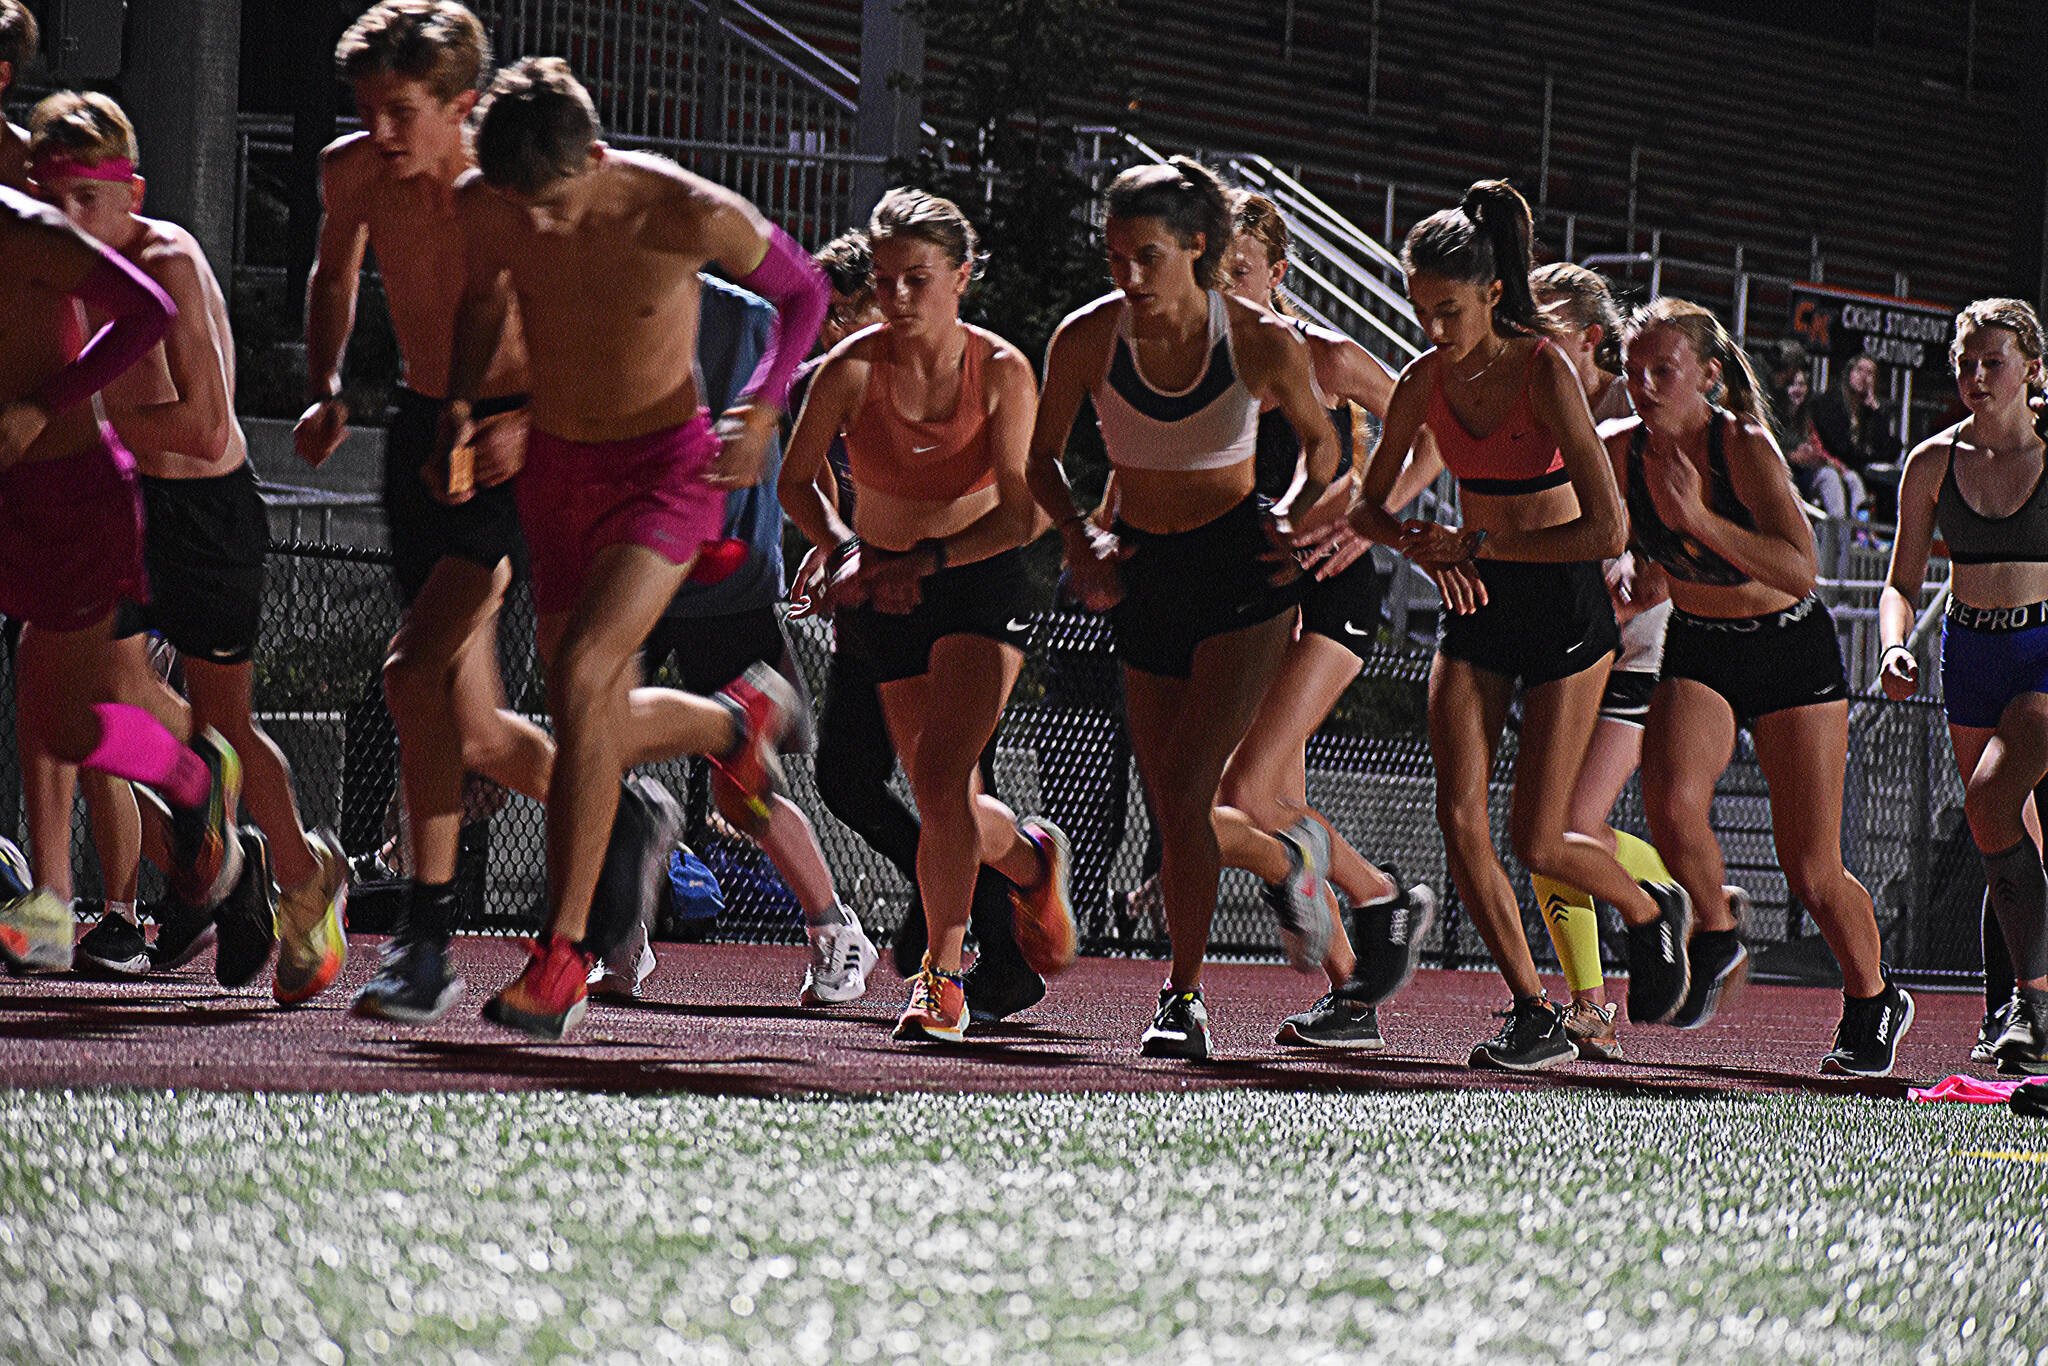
point(1822, 479)
point(1856, 430)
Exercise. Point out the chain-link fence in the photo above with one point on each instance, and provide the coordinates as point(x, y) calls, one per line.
point(1062, 751)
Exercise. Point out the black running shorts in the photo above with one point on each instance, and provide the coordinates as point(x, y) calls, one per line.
point(710, 652)
point(1345, 607)
point(1182, 587)
point(203, 543)
point(1760, 664)
point(990, 598)
point(1541, 622)
point(484, 529)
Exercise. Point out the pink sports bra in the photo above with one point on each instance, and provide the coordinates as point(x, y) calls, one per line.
point(931, 462)
point(1519, 456)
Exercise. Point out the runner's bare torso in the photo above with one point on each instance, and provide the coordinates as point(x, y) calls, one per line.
point(39, 330)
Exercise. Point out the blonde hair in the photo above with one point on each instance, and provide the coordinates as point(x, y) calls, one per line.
point(2016, 316)
point(1740, 392)
point(83, 126)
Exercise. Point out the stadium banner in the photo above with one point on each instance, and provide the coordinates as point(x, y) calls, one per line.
point(1844, 323)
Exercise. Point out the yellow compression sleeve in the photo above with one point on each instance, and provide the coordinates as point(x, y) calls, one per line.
point(1639, 859)
point(1574, 931)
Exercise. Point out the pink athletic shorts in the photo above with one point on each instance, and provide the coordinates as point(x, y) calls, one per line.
point(577, 497)
point(71, 537)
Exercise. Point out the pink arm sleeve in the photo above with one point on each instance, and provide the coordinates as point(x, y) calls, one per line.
point(141, 312)
point(791, 281)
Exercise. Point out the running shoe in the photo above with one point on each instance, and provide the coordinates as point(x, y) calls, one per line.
point(2022, 1048)
point(937, 1009)
point(1718, 963)
point(1337, 1020)
point(1658, 976)
point(1387, 936)
point(36, 932)
point(1867, 1040)
point(206, 858)
point(762, 705)
point(413, 985)
point(2030, 1100)
point(1180, 1027)
point(1988, 1033)
point(1592, 1032)
point(619, 975)
point(247, 921)
point(1532, 1037)
point(998, 990)
point(841, 958)
point(114, 946)
point(548, 997)
point(1043, 915)
point(645, 831)
point(1299, 903)
point(16, 880)
point(312, 945)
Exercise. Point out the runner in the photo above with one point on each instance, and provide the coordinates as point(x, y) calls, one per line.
point(205, 535)
point(624, 478)
point(1523, 602)
point(19, 39)
point(71, 553)
point(1994, 639)
point(1202, 605)
point(930, 584)
point(1265, 784)
point(413, 66)
point(1711, 502)
point(714, 633)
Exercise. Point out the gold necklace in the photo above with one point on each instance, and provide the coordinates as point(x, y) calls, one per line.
point(1467, 379)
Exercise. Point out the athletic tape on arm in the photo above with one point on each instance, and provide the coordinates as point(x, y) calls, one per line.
point(789, 279)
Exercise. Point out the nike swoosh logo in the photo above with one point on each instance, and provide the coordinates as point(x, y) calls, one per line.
point(1015, 625)
point(920, 450)
point(1351, 630)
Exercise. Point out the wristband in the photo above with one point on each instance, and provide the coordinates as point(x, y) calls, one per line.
point(1905, 650)
point(839, 554)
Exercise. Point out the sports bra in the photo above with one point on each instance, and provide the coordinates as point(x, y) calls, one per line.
point(931, 462)
point(1210, 425)
point(1681, 556)
point(1518, 456)
point(2019, 537)
point(1277, 446)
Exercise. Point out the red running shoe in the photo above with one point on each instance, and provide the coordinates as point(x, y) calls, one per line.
point(762, 704)
point(1044, 914)
point(937, 1009)
point(548, 997)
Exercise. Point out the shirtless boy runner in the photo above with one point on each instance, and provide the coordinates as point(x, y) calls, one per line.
point(71, 552)
point(19, 38)
point(624, 477)
point(206, 531)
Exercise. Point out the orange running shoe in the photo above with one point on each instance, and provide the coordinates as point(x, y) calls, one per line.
point(548, 997)
point(1044, 914)
point(762, 705)
point(937, 1009)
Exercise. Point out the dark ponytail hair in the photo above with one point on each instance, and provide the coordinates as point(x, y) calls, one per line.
point(1188, 198)
point(1741, 394)
point(1486, 238)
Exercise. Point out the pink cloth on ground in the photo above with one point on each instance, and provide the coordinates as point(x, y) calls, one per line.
point(1971, 1090)
point(71, 537)
point(577, 497)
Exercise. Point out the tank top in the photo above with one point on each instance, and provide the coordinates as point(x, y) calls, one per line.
point(1277, 446)
point(1681, 556)
point(1212, 424)
point(2019, 537)
point(1519, 456)
point(931, 462)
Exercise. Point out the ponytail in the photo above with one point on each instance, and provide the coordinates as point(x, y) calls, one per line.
point(1188, 198)
point(1487, 238)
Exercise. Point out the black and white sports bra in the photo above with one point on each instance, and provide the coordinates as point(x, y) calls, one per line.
point(1210, 425)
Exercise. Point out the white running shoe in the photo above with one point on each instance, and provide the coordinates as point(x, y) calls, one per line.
point(841, 958)
point(1298, 904)
point(617, 976)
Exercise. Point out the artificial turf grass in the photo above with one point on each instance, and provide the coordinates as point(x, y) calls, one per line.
point(1221, 1226)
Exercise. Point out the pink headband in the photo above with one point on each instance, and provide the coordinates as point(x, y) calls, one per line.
point(114, 169)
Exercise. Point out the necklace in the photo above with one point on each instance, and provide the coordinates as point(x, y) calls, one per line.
point(1502, 350)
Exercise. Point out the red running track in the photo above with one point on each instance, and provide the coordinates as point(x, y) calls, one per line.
point(721, 1019)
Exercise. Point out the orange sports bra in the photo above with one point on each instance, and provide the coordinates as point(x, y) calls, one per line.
point(1519, 456)
point(930, 462)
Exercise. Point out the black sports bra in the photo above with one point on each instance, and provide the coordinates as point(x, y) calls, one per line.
point(2020, 536)
point(1681, 556)
point(1277, 450)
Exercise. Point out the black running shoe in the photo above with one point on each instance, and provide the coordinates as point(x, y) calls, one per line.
point(247, 920)
point(413, 986)
point(1387, 936)
point(645, 831)
point(182, 933)
point(1180, 1029)
point(1338, 1020)
point(1995, 1021)
point(2030, 1100)
point(1867, 1040)
point(1657, 966)
point(114, 946)
point(998, 990)
point(2022, 1047)
point(1532, 1037)
point(1718, 963)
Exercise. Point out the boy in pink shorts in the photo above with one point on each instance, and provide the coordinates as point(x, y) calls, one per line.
point(625, 478)
point(71, 552)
